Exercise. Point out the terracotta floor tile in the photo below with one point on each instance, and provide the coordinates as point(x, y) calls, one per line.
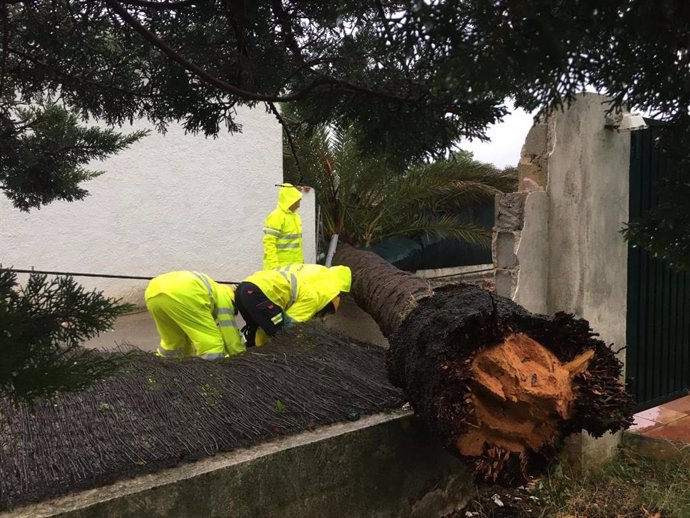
point(641, 424)
point(679, 405)
point(678, 430)
point(648, 414)
point(661, 415)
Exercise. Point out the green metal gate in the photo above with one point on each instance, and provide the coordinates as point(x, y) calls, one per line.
point(658, 318)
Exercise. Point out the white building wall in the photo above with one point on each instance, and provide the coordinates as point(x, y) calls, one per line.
point(169, 202)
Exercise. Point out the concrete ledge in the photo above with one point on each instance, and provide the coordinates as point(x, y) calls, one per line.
point(385, 465)
point(454, 270)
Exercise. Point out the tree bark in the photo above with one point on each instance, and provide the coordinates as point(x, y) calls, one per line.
point(499, 386)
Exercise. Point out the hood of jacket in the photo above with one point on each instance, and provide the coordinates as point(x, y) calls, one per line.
point(340, 278)
point(336, 280)
point(287, 196)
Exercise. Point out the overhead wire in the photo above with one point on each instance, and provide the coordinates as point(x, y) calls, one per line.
point(100, 275)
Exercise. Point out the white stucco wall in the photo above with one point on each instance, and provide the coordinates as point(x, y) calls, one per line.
point(588, 187)
point(570, 255)
point(169, 202)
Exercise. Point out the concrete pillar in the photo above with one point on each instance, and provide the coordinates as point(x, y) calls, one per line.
point(557, 244)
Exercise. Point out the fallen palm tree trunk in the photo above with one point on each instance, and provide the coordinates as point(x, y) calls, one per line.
point(498, 385)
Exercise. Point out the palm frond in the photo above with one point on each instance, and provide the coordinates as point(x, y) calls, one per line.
point(445, 227)
point(365, 198)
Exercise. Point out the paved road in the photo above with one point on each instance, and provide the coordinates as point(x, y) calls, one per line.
point(139, 330)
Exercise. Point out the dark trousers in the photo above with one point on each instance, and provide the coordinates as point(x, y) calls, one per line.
point(258, 311)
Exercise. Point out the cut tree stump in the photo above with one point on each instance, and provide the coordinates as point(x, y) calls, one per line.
point(500, 386)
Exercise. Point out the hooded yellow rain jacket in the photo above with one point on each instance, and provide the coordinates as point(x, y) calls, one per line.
point(283, 231)
point(310, 272)
point(194, 315)
point(302, 292)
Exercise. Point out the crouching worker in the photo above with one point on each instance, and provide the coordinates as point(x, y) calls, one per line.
point(272, 299)
point(194, 315)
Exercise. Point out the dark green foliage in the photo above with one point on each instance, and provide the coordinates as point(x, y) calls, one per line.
point(415, 76)
point(43, 151)
point(664, 230)
point(41, 328)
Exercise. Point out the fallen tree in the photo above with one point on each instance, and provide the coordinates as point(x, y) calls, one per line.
point(500, 386)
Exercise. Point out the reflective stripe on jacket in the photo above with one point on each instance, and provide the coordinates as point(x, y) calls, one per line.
point(225, 318)
point(337, 276)
point(197, 292)
point(283, 231)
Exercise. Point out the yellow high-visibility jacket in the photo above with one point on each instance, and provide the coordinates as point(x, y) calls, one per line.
point(302, 294)
point(209, 309)
point(283, 231)
point(312, 272)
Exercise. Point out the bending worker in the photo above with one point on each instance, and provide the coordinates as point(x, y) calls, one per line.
point(283, 230)
point(271, 299)
point(194, 315)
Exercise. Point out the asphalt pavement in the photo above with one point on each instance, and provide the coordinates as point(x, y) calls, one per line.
point(139, 330)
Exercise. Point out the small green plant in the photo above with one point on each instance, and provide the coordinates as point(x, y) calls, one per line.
point(626, 485)
point(42, 327)
point(209, 392)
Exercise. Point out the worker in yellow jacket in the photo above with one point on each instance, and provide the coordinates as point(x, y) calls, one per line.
point(309, 272)
point(194, 315)
point(272, 299)
point(283, 230)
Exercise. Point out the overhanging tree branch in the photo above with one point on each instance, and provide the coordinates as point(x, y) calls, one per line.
point(230, 88)
point(192, 67)
point(284, 20)
point(161, 5)
point(80, 79)
point(288, 136)
point(384, 20)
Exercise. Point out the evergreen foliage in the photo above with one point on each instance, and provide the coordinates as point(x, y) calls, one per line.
point(42, 325)
point(414, 76)
point(42, 155)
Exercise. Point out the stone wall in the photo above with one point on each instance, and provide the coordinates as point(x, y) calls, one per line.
point(557, 244)
point(381, 466)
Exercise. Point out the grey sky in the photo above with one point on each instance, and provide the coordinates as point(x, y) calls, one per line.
point(506, 141)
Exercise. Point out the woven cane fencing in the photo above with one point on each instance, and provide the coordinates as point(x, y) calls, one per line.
point(157, 413)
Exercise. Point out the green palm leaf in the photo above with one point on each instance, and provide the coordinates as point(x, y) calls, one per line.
point(365, 199)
